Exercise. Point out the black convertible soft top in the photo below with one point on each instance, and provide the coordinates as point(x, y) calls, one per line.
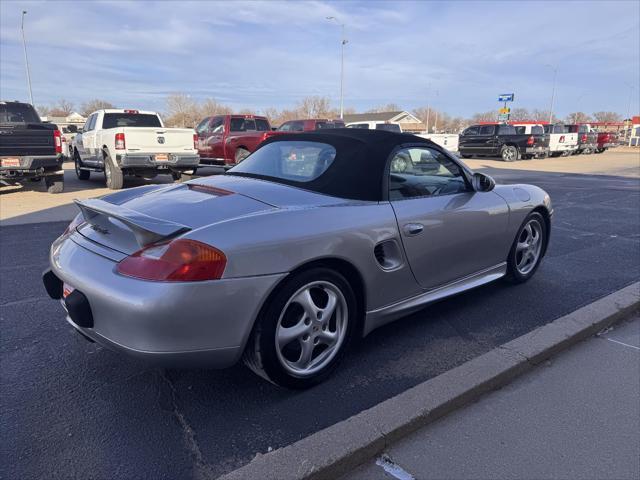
point(358, 171)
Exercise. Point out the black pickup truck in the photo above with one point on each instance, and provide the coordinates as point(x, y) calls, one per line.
point(501, 140)
point(29, 148)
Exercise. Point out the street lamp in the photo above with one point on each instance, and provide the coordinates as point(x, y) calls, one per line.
point(553, 90)
point(343, 42)
point(26, 60)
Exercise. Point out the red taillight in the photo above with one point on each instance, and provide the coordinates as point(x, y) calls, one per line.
point(177, 261)
point(583, 138)
point(530, 141)
point(195, 141)
point(120, 144)
point(57, 141)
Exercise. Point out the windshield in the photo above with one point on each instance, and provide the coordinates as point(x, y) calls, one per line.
point(17, 113)
point(114, 120)
point(297, 161)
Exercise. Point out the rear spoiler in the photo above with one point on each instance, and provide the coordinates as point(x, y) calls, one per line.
point(146, 229)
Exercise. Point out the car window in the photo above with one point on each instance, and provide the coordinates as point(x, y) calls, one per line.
point(241, 124)
point(506, 130)
point(17, 113)
point(115, 120)
point(285, 127)
point(520, 130)
point(298, 161)
point(359, 125)
point(91, 122)
point(471, 131)
point(296, 126)
point(262, 125)
point(423, 172)
point(487, 130)
point(203, 126)
point(389, 127)
point(537, 130)
point(217, 125)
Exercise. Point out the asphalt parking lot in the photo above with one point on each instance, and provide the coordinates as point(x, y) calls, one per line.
point(72, 409)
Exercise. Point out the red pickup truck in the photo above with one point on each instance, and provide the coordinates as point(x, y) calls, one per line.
point(228, 139)
point(606, 140)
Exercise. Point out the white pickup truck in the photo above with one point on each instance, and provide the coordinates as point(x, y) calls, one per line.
point(131, 142)
point(561, 142)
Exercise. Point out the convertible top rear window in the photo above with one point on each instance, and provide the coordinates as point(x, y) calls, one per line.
point(296, 161)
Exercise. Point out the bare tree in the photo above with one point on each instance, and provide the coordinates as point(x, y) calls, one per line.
point(91, 106)
point(212, 107)
point(578, 117)
point(389, 107)
point(520, 114)
point(607, 117)
point(314, 107)
point(182, 111)
point(489, 116)
point(61, 109)
point(43, 110)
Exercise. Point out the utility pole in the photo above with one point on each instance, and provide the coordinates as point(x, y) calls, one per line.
point(26, 59)
point(343, 42)
point(553, 91)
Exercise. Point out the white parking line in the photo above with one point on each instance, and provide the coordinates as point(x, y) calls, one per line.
point(393, 469)
point(622, 343)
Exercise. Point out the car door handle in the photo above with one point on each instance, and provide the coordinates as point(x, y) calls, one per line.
point(413, 228)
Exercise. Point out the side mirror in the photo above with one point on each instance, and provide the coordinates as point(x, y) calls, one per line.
point(482, 182)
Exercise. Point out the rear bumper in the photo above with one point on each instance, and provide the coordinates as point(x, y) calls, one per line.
point(537, 150)
point(174, 324)
point(606, 145)
point(565, 148)
point(147, 160)
point(585, 146)
point(34, 166)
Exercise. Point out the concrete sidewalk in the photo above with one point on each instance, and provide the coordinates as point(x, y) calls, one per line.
point(577, 416)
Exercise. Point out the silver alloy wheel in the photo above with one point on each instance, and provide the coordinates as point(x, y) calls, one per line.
point(311, 329)
point(529, 247)
point(508, 154)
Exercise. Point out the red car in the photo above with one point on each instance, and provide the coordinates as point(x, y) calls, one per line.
point(309, 125)
point(228, 139)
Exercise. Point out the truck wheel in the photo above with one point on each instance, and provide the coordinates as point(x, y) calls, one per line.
point(112, 174)
point(465, 155)
point(176, 176)
point(54, 184)
point(81, 174)
point(241, 154)
point(510, 153)
point(566, 153)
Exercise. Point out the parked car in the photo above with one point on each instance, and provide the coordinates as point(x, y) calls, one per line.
point(309, 125)
point(131, 142)
point(68, 133)
point(30, 149)
point(377, 125)
point(309, 243)
point(587, 137)
point(606, 140)
point(493, 140)
point(447, 140)
point(226, 140)
point(561, 142)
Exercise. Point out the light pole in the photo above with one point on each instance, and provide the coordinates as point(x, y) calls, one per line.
point(343, 42)
point(26, 60)
point(553, 91)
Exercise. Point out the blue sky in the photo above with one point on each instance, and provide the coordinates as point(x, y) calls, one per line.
point(459, 55)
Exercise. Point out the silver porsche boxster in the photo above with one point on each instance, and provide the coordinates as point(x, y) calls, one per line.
point(313, 240)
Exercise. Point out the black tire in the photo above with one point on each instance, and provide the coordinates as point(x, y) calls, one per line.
point(261, 354)
point(509, 153)
point(176, 176)
point(114, 178)
point(514, 275)
point(600, 150)
point(81, 174)
point(465, 155)
point(555, 154)
point(54, 183)
point(241, 154)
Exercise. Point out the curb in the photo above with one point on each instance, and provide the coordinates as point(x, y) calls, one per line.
point(338, 449)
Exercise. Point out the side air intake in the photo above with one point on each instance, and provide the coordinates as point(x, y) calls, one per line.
point(388, 254)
